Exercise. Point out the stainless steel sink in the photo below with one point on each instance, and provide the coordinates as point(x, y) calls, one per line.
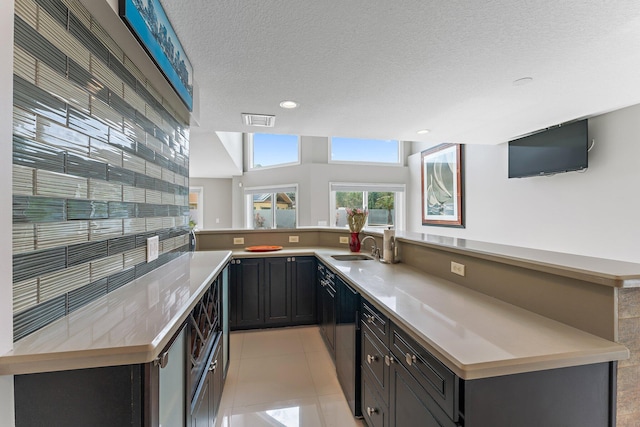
point(351, 257)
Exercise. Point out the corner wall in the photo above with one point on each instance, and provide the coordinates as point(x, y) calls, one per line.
point(591, 213)
point(6, 290)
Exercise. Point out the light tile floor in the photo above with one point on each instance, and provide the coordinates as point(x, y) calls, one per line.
point(282, 378)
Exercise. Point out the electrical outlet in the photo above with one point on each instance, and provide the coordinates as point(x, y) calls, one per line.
point(238, 240)
point(294, 239)
point(153, 248)
point(457, 268)
point(344, 239)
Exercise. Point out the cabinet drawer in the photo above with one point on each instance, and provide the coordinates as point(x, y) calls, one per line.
point(374, 410)
point(377, 322)
point(373, 361)
point(411, 405)
point(430, 373)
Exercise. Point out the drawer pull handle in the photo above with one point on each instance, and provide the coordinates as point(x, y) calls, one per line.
point(371, 319)
point(371, 410)
point(371, 359)
point(389, 360)
point(410, 358)
point(213, 365)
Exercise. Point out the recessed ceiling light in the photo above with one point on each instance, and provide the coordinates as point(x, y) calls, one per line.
point(289, 104)
point(423, 131)
point(523, 81)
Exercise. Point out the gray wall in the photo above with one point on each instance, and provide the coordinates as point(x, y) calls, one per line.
point(217, 202)
point(591, 213)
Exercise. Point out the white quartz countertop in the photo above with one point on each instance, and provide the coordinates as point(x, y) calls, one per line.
point(132, 324)
point(474, 335)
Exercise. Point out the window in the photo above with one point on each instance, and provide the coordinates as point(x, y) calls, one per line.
point(271, 150)
point(375, 151)
point(385, 203)
point(271, 207)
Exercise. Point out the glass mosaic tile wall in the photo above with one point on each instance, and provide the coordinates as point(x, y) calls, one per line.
point(100, 163)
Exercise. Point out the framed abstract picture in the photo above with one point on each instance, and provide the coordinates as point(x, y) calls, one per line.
point(149, 24)
point(443, 185)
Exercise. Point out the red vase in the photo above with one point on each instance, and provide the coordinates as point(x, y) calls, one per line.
point(354, 242)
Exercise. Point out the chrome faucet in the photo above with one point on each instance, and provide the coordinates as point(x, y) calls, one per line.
point(375, 250)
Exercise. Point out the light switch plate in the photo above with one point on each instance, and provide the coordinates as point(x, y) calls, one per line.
point(344, 239)
point(153, 248)
point(238, 240)
point(294, 239)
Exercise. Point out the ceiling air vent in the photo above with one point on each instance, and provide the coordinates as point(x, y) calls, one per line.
point(263, 120)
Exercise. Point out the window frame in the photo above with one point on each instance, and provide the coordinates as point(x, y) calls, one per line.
point(400, 191)
point(270, 189)
point(399, 162)
point(250, 165)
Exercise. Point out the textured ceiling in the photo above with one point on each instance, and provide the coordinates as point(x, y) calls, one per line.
point(386, 69)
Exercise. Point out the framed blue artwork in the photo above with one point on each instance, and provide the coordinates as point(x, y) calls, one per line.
point(149, 23)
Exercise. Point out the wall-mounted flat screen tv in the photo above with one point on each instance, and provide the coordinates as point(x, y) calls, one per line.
point(559, 149)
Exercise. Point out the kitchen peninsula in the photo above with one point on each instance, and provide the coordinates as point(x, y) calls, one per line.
point(590, 294)
point(478, 330)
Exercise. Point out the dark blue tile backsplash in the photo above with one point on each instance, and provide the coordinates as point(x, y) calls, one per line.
point(100, 165)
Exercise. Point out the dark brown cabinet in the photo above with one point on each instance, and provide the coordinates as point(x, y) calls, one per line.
point(404, 385)
point(246, 293)
point(410, 402)
point(272, 291)
point(303, 294)
point(277, 290)
point(400, 380)
point(207, 400)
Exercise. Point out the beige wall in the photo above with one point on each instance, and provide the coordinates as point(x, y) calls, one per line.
point(217, 202)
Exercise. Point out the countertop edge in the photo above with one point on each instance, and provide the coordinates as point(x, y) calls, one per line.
point(21, 363)
point(613, 352)
point(612, 272)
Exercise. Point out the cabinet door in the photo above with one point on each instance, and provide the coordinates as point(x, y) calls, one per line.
point(250, 292)
point(234, 268)
point(277, 291)
point(410, 403)
point(201, 415)
point(216, 383)
point(303, 287)
point(374, 355)
point(374, 409)
point(320, 277)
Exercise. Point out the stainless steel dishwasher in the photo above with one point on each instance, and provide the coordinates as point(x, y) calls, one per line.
point(347, 344)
